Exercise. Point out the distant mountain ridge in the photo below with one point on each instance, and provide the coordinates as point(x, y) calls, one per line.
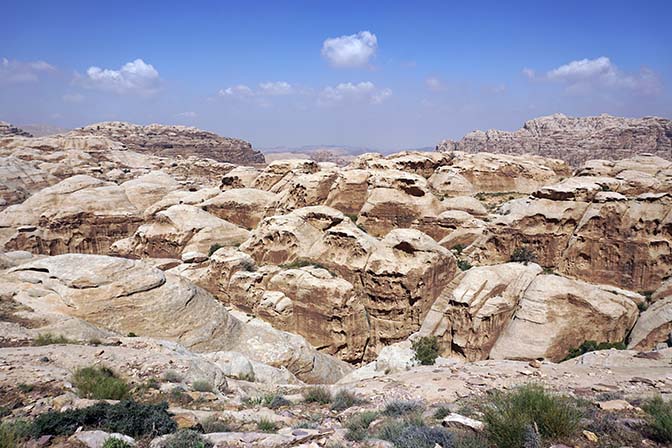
point(574, 139)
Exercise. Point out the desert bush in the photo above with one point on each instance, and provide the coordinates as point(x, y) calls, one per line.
point(186, 438)
point(591, 346)
point(411, 432)
point(442, 412)
point(126, 417)
point(99, 383)
point(201, 386)
point(317, 394)
point(265, 425)
point(358, 425)
point(113, 442)
point(172, 376)
point(426, 350)
point(278, 401)
point(13, 434)
point(343, 400)
point(660, 418)
point(458, 248)
point(464, 265)
point(131, 335)
point(214, 248)
point(398, 408)
point(50, 339)
point(508, 415)
point(523, 255)
point(213, 424)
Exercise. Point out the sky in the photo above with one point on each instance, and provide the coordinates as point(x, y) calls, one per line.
point(382, 75)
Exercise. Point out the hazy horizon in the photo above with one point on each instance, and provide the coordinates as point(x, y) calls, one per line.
point(354, 74)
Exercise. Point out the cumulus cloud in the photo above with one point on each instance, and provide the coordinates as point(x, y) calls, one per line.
point(348, 92)
point(588, 74)
point(270, 88)
point(354, 50)
point(241, 90)
point(276, 88)
point(13, 71)
point(133, 77)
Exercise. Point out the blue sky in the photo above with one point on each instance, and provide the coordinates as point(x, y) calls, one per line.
point(385, 75)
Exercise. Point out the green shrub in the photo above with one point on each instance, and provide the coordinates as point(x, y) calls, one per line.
point(420, 436)
point(278, 401)
point(113, 442)
point(26, 388)
point(201, 386)
point(50, 339)
point(213, 424)
point(131, 335)
point(591, 346)
point(214, 248)
point(265, 425)
point(442, 412)
point(358, 425)
point(398, 408)
point(13, 434)
point(172, 376)
point(343, 400)
point(95, 341)
point(660, 418)
point(99, 383)
point(126, 417)
point(426, 350)
point(523, 255)
point(464, 265)
point(318, 394)
point(508, 416)
point(458, 248)
point(186, 438)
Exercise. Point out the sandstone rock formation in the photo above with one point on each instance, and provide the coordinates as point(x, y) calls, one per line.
point(125, 296)
point(574, 140)
point(7, 130)
point(175, 141)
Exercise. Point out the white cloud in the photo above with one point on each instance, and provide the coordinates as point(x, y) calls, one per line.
point(13, 71)
point(354, 50)
point(361, 92)
point(434, 84)
point(584, 75)
point(136, 76)
point(241, 90)
point(276, 88)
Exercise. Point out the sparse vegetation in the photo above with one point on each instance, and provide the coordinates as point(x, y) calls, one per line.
point(441, 412)
point(317, 394)
point(591, 346)
point(213, 424)
point(113, 442)
point(412, 432)
point(464, 265)
point(271, 401)
point(50, 339)
point(509, 415)
point(99, 383)
point(132, 335)
point(214, 248)
point(398, 408)
point(353, 217)
point(26, 388)
point(201, 386)
point(186, 438)
point(426, 350)
point(458, 248)
point(126, 417)
point(660, 418)
point(523, 255)
point(265, 425)
point(358, 425)
point(13, 434)
point(95, 342)
point(172, 376)
point(343, 400)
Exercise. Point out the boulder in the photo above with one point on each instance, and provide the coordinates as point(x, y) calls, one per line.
point(557, 314)
point(653, 327)
point(242, 206)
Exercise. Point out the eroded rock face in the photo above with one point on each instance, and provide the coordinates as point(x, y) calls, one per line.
point(473, 310)
point(7, 130)
point(125, 296)
point(395, 279)
point(175, 141)
point(574, 140)
point(242, 206)
point(19, 179)
point(557, 314)
point(622, 241)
